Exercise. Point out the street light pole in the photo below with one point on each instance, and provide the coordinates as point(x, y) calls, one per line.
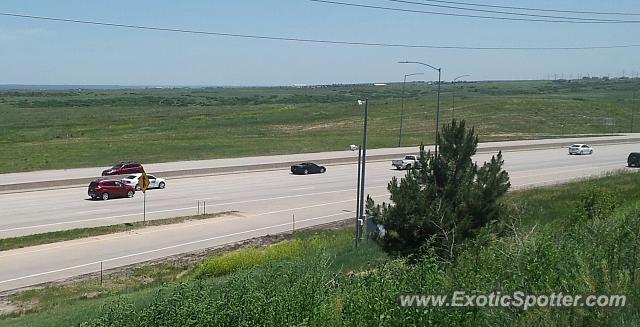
point(632, 110)
point(402, 105)
point(438, 105)
point(453, 96)
point(355, 239)
point(362, 215)
point(438, 114)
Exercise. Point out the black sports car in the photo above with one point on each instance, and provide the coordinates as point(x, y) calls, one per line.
point(307, 168)
point(633, 159)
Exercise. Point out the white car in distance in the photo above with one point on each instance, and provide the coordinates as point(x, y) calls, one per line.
point(580, 149)
point(154, 182)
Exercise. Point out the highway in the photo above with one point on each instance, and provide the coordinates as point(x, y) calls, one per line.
point(266, 202)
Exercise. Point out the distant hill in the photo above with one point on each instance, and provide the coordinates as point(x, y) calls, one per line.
point(67, 87)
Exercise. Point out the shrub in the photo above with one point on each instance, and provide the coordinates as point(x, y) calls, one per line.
point(596, 203)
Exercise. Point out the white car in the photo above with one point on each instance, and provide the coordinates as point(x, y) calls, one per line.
point(409, 162)
point(580, 149)
point(154, 182)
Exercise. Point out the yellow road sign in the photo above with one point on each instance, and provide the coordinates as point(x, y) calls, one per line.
point(143, 181)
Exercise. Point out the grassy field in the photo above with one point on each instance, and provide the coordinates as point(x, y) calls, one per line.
point(83, 128)
point(316, 278)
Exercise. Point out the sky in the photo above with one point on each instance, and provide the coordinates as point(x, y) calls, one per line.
point(48, 52)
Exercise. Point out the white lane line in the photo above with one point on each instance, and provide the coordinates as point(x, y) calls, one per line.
point(612, 165)
point(165, 248)
point(555, 180)
point(175, 209)
point(302, 188)
point(100, 238)
point(246, 201)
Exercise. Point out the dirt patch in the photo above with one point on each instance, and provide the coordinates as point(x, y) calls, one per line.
point(290, 129)
point(511, 134)
point(6, 307)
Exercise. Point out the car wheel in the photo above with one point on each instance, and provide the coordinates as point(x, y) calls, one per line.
point(408, 167)
point(130, 194)
point(305, 172)
point(162, 185)
point(137, 187)
point(322, 170)
point(590, 151)
point(105, 196)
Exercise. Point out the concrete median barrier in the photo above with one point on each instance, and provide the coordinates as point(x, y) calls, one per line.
point(347, 159)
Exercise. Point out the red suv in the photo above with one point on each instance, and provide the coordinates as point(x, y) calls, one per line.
point(107, 188)
point(124, 168)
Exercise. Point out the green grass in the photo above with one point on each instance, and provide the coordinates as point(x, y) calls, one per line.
point(71, 304)
point(316, 278)
point(72, 234)
point(86, 128)
point(249, 257)
point(544, 205)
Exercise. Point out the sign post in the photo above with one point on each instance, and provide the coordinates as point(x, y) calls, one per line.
point(144, 184)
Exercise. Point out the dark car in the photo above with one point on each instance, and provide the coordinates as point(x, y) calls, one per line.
point(307, 168)
point(108, 188)
point(634, 159)
point(124, 168)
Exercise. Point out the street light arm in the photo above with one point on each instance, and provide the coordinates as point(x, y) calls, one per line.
point(419, 63)
point(461, 76)
point(412, 74)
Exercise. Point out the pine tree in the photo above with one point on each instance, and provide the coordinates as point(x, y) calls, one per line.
point(434, 209)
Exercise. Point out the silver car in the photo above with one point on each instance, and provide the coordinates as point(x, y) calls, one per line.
point(580, 149)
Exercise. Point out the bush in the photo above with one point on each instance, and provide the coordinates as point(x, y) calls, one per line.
point(596, 203)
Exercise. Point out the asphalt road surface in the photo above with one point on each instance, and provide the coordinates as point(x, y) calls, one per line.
point(267, 202)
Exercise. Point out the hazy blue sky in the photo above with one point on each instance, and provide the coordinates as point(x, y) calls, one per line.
point(43, 52)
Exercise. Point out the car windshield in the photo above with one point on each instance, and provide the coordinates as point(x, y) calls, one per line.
point(408, 158)
point(131, 177)
point(93, 185)
point(575, 146)
point(116, 166)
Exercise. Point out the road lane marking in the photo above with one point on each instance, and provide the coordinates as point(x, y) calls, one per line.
point(100, 238)
point(514, 173)
point(174, 209)
point(568, 169)
point(164, 248)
